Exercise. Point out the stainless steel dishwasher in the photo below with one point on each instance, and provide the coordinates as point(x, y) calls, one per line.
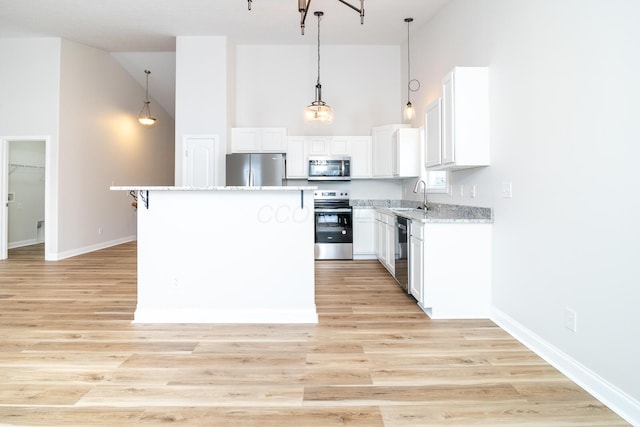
point(402, 252)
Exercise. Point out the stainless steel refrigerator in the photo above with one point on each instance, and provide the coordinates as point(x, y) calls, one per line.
point(256, 169)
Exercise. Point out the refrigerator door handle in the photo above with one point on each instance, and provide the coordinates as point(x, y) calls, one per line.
point(250, 177)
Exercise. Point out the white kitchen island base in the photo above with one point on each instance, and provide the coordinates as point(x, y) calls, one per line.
point(225, 255)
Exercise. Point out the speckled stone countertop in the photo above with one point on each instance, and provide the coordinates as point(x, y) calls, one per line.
point(436, 213)
point(230, 188)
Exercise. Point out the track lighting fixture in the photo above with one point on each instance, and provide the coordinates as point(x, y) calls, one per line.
point(303, 8)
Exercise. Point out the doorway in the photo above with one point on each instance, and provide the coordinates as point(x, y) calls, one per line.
point(24, 186)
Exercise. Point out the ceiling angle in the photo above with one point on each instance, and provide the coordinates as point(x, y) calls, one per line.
point(303, 8)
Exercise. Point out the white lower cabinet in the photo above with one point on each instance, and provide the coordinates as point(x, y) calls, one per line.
point(450, 269)
point(385, 240)
point(416, 255)
point(364, 226)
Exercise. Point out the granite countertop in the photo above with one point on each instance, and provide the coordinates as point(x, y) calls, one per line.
point(230, 188)
point(436, 213)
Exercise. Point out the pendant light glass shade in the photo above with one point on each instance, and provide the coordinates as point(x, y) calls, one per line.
point(145, 118)
point(318, 111)
point(409, 111)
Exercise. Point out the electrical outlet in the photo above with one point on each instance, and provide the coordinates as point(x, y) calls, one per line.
point(570, 319)
point(507, 190)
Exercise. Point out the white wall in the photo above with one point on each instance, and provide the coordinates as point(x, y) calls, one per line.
point(275, 83)
point(202, 79)
point(30, 88)
point(564, 130)
point(102, 144)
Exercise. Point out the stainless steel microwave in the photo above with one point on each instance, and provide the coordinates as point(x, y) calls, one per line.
point(329, 168)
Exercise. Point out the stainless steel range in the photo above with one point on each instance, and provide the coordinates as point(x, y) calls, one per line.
point(333, 225)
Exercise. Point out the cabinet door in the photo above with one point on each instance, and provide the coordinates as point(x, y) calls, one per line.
point(319, 145)
point(382, 152)
point(274, 140)
point(199, 162)
point(297, 157)
point(448, 119)
point(433, 136)
point(363, 231)
point(340, 146)
point(381, 240)
point(246, 140)
point(391, 244)
point(416, 259)
point(361, 157)
point(406, 146)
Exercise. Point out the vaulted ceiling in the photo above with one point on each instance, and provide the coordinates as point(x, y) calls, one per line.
point(149, 27)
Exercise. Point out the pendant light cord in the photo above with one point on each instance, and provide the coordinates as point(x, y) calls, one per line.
point(408, 64)
point(318, 82)
point(409, 79)
point(146, 90)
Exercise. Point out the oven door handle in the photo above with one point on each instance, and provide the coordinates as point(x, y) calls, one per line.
point(338, 210)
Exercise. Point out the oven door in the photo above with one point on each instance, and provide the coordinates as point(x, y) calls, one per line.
point(333, 226)
point(334, 234)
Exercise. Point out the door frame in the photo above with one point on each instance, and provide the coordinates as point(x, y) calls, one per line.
point(50, 184)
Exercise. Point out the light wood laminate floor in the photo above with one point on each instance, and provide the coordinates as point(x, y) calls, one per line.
point(71, 356)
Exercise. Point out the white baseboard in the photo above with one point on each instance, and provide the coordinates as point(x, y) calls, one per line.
point(617, 400)
point(91, 248)
point(213, 315)
point(21, 243)
point(365, 256)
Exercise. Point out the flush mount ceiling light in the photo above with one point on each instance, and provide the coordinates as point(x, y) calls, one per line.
point(145, 118)
point(303, 8)
point(413, 85)
point(318, 111)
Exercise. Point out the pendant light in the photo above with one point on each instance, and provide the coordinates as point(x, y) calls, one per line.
point(318, 111)
point(413, 85)
point(145, 118)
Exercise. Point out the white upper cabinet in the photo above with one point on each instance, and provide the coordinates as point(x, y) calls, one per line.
point(433, 134)
point(405, 155)
point(258, 140)
point(383, 155)
point(297, 157)
point(465, 119)
point(318, 145)
point(361, 157)
point(329, 145)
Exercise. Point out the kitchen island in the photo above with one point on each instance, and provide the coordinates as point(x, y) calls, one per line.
point(225, 255)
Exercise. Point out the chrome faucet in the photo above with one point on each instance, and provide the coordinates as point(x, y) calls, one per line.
point(424, 189)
